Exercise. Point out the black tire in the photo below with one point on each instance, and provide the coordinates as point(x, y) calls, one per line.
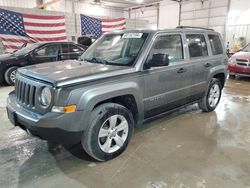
point(204, 104)
point(231, 76)
point(8, 75)
point(99, 118)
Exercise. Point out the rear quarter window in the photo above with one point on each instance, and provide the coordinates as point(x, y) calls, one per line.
point(215, 44)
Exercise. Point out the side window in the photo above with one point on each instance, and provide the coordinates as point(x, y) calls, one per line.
point(197, 45)
point(48, 50)
point(170, 45)
point(216, 45)
point(70, 48)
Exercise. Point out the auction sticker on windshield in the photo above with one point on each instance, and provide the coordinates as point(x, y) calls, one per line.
point(132, 35)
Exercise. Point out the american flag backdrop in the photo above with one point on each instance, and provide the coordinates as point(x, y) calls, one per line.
point(95, 27)
point(17, 29)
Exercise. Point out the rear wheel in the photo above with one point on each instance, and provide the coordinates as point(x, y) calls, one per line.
point(10, 75)
point(212, 97)
point(109, 131)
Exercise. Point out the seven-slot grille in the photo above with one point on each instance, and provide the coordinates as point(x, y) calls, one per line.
point(25, 93)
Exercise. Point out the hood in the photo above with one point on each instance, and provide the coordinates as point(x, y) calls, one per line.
point(6, 57)
point(242, 55)
point(71, 72)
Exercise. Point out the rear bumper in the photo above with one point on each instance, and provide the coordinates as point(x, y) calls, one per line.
point(54, 127)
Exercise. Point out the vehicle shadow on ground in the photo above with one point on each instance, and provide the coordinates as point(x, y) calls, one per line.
point(75, 150)
point(71, 161)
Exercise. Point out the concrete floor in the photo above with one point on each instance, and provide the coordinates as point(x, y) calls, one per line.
point(186, 149)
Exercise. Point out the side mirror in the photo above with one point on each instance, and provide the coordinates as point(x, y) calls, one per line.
point(158, 60)
point(32, 54)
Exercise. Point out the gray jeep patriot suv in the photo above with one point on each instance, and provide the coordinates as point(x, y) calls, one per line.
point(122, 80)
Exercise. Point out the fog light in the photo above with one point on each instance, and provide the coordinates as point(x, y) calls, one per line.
point(67, 109)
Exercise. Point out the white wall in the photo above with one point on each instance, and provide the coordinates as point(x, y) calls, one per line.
point(169, 14)
point(239, 13)
point(68, 6)
point(85, 8)
point(148, 14)
point(238, 22)
point(18, 3)
point(209, 13)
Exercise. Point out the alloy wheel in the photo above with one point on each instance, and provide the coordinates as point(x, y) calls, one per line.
point(113, 133)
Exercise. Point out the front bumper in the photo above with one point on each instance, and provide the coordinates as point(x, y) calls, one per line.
point(54, 127)
point(243, 71)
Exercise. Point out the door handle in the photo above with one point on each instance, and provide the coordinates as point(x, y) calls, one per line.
point(182, 70)
point(207, 64)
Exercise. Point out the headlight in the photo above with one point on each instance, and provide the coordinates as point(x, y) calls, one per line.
point(45, 97)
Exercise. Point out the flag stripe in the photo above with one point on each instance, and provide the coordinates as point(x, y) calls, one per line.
point(113, 23)
point(114, 20)
point(44, 24)
point(40, 35)
point(42, 21)
point(33, 28)
point(113, 26)
point(62, 38)
point(17, 43)
point(46, 32)
point(12, 47)
point(15, 40)
point(112, 29)
point(40, 17)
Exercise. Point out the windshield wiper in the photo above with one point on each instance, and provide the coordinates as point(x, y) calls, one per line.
point(95, 60)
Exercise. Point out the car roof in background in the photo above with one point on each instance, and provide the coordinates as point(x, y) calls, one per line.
point(62, 42)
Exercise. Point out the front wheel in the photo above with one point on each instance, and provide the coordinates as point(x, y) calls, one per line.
point(212, 97)
point(109, 132)
point(231, 76)
point(10, 75)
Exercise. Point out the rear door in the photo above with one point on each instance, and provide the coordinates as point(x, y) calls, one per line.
point(198, 63)
point(46, 53)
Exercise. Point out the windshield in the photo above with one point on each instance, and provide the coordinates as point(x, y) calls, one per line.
point(116, 49)
point(26, 49)
point(247, 48)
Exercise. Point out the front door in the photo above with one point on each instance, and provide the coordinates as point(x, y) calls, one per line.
point(166, 86)
point(47, 53)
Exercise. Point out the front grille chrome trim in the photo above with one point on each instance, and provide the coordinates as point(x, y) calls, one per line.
point(25, 92)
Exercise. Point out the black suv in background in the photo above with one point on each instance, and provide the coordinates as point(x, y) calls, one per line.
point(36, 53)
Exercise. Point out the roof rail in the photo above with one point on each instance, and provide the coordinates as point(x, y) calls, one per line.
point(191, 27)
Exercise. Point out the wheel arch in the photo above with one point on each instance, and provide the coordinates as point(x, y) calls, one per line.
point(221, 77)
point(219, 72)
point(127, 94)
point(127, 101)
